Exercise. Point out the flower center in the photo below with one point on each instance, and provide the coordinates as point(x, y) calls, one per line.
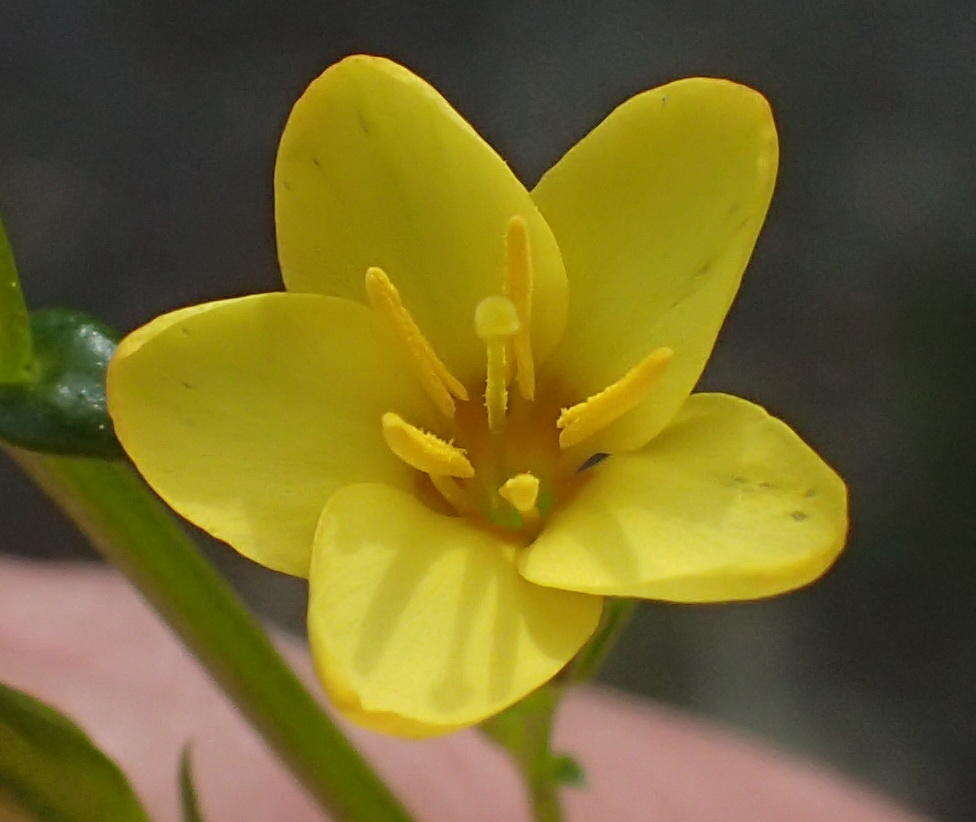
point(506, 469)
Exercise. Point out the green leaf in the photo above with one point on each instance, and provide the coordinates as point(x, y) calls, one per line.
point(16, 353)
point(63, 409)
point(50, 770)
point(188, 794)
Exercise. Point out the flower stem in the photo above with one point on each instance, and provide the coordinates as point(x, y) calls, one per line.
point(133, 530)
point(539, 775)
point(524, 731)
point(616, 615)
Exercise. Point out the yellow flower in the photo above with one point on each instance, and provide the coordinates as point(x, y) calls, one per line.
point(417, 425)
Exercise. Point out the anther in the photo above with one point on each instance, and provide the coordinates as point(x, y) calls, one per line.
point(496, 322)
point(437, 381)
point(585, 419)
point(518, 287)
point(424, 451)
point(522, 492)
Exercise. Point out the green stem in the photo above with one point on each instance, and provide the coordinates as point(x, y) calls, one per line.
point(616, 615)
point(524, 730)
point(538, 769)
point(137, 533)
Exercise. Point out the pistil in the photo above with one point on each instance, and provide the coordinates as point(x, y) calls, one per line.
point(496, 322)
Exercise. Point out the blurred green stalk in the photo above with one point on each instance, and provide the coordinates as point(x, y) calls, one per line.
point(525, 729)
point(136, 533)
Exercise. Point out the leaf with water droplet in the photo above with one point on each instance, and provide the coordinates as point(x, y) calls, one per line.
point(62, 409)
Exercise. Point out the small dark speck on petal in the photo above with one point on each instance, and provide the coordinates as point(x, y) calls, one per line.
point(596, 459)
point(185, 384)
point(799, 516)
point(316, 163)
point(766, 485)
point(739, 480)
point(811, 492)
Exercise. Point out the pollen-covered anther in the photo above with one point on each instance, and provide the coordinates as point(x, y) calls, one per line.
point(496, 321)
point(583, 420)
point(522, 492)
point(439, 383)
point(422, 450)
point(518, 287)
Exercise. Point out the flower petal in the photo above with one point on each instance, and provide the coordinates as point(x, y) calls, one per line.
point(376, 169)
point(727, 503)
point(246, 414)
point(656, 212)
point(420, 624)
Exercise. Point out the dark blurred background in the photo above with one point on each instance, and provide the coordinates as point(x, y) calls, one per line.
point(136, 151)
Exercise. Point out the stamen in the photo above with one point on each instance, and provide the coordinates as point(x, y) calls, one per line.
point(496, 322)
point(452, 491)
point(585, 419)
point(518, 287)
point(424, 451)
point(438, 382)
point(522, 491)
